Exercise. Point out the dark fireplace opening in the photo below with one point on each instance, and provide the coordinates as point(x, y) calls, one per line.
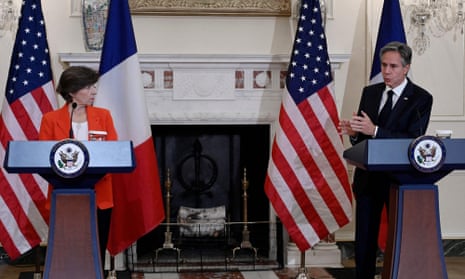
point(206, 165)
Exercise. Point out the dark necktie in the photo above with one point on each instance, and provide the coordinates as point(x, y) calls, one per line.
point(384, 114)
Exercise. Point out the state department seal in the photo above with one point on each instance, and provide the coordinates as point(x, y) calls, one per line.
point(427, 153)
point(69, 158)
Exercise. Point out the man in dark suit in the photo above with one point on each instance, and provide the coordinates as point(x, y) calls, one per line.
point(395, 108)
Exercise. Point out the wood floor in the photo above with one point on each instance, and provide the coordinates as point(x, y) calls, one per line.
point(455, 269)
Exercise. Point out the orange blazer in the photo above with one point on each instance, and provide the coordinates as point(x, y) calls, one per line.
point(56, 124)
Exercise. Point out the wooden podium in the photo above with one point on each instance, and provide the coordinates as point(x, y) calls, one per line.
point(73, 245)
point(414, 247)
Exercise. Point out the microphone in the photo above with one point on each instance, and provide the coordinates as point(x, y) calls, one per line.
point(71, 133)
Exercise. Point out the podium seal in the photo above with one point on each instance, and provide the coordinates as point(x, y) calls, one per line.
point(427, 153)
point(69, 158)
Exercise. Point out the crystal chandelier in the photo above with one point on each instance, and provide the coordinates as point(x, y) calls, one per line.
point(435, 17)
point(8, 16)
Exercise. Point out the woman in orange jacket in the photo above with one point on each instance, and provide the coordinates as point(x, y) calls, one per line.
point(77, 87)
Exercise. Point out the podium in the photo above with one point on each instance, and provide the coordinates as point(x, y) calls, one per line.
point(414, 246)
point(73, 247)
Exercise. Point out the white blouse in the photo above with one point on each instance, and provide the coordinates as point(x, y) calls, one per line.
point(81, 130)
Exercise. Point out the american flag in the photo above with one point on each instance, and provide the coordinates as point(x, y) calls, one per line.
point(307, 181)
point(29, 94)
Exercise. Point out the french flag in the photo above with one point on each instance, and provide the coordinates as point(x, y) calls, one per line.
point(138, 202)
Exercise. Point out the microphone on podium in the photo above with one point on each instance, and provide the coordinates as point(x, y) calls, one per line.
point(71, 133)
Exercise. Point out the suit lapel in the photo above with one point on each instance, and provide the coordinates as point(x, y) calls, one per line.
point(377, 94)
point(94, 119)
point(63, 121)
point(403, 99)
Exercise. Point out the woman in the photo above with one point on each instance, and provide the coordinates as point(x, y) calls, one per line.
point(77, 87)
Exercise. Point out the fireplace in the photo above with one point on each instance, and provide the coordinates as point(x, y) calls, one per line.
point(206, 165)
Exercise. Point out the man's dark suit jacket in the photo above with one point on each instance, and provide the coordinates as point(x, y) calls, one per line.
point(409, 119)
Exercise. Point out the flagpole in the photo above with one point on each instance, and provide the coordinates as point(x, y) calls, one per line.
point(112, 271)
point(37, 273)
point(302, 269)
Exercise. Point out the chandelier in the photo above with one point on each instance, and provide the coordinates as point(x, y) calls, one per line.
point(433, 17)
point(8, 17)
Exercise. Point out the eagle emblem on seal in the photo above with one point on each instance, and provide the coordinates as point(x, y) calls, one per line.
point(427, 153)
point(68, 158)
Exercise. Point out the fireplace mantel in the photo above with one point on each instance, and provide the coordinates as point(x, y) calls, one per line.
point(209, 88)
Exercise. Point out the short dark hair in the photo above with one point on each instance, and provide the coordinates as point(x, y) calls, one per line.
point(74, 79)
point(404, 50)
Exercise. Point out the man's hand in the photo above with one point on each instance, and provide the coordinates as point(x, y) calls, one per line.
point(362, 124)
point(345, 128)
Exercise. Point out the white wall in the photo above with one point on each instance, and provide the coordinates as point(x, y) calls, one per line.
point(352, 30)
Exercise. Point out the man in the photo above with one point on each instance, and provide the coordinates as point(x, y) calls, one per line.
point(395, 108)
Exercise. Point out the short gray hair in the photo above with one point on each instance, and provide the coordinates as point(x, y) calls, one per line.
point(404, 50)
